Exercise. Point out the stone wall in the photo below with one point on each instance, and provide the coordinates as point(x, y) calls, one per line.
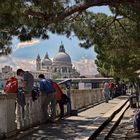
point(14, 118)
point(83, 98)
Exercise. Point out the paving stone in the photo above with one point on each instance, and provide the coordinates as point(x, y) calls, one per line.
point(125, 128)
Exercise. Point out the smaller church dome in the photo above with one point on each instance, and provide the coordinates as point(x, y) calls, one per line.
point(38, 58)
point(46, 61)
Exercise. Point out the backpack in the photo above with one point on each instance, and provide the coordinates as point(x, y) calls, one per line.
point(11, 85)
point(48, 86)
point(136, 122)
point(35, 93)
point(21, 99)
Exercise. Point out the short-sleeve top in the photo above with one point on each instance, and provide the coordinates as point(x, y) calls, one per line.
point(28, 77)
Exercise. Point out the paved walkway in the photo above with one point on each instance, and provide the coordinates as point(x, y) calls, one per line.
point(71, 128)
point(125, 130)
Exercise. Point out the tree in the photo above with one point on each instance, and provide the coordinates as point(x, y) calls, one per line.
point(119, 55)
point(116, 38)
point(29, 19)
point(116, 41)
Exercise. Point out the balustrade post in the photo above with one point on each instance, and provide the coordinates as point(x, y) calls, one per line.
point(27, 115)
point(19, 117)
point(7, 114)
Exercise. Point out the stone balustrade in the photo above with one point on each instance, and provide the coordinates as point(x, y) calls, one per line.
point(83, 98)
point(14, 118)
point(7, 114)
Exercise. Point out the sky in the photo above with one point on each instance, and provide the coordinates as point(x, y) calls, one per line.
point(25, 53)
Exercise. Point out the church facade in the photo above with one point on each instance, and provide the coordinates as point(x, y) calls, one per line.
point(59, 67)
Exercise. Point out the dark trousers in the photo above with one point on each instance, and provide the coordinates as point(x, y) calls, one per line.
point(61, 105)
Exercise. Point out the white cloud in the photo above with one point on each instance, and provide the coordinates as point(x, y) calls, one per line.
point(16, 63)
point(26, 44)
point(25, 64)
point(86, 67)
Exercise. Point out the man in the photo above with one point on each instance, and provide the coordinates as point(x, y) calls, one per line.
point(28, 80)
point(111, 89)
point(46, 87)
point(106, 91)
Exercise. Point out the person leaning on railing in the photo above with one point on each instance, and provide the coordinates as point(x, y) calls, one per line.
point(58, 96)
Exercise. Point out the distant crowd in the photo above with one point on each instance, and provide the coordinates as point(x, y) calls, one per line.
point(112, 89)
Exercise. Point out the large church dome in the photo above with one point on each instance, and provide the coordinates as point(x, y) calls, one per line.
point(62, 57)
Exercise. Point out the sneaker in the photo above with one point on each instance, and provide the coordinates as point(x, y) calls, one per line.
point(106, 101)
point(61, 118)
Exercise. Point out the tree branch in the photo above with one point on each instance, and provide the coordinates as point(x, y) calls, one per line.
point(76, 8)
point(121, 25)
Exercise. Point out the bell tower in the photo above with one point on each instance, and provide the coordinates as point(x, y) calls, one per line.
point(38, 63)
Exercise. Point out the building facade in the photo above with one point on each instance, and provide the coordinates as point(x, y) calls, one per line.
point(7, 72)
point(59, 67)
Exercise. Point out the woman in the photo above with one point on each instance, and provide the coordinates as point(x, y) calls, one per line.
point(58, 96)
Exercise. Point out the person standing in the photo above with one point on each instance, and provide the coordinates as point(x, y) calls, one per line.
point(111, 89)
point(25, 86)
point(27, 80)
point(106, 91)
point(46, 88)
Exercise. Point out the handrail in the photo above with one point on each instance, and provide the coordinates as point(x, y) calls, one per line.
point(66, 82)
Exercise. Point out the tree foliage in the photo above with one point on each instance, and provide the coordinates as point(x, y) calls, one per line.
point(116, 38)
point(119, 56)
point(29, 19)
point(116, 41)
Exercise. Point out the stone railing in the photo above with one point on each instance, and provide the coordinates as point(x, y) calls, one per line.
point(7, 114)
point(83, 98)
point(14, 118)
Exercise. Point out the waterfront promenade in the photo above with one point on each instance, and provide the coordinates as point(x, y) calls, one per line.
point(79, 127)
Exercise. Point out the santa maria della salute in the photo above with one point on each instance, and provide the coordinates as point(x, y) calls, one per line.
point(59, 67)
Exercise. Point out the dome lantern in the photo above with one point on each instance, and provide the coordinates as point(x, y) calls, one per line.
point(61, 48)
